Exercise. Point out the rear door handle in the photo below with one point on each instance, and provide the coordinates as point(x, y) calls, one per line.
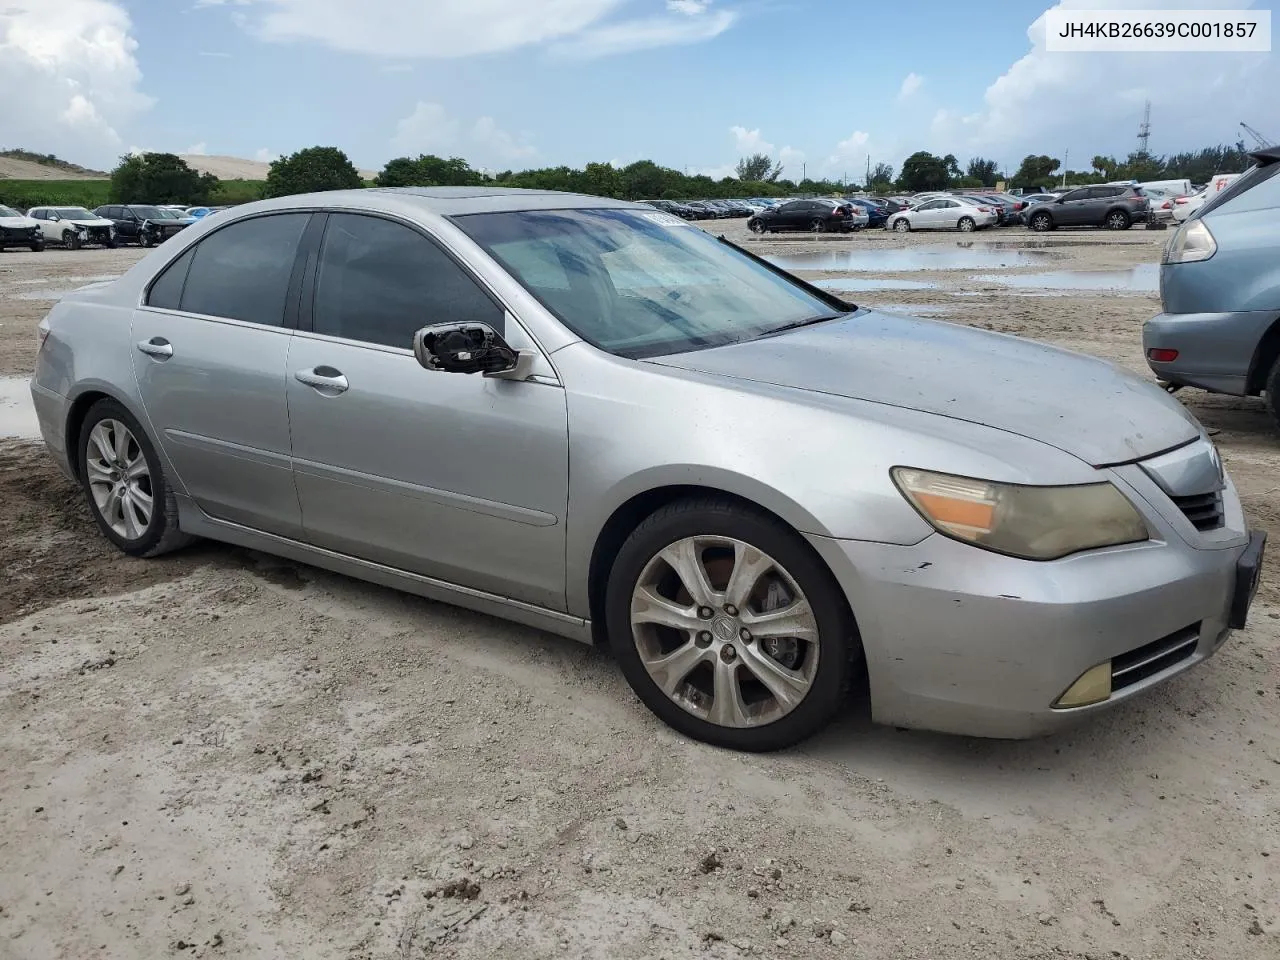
point(324, 379)
point(157, 347)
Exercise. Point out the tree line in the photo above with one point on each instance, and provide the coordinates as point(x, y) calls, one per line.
point(167, 178)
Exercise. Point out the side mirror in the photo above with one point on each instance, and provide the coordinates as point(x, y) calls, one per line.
point(52, 217)
point(469, 348)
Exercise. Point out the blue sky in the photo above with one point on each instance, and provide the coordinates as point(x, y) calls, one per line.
point(693, 84)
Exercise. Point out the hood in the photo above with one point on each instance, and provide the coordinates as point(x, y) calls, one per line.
point(1083, 406)
point(17, 222)
point(91, 222)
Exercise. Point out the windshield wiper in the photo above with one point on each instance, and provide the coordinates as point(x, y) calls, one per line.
point(807, 322)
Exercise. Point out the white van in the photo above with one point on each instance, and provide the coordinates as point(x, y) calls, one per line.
point(1177, 188)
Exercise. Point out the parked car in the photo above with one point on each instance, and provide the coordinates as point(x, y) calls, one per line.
point(942, 213)
point(17, 230)
point(984, 202)
point(1031, 199)
point(946, 497)
point(892, 204)
point(73, 227)
point(1219, 328)
point(1186, 206)
point(1114, 207)
point(877, 213)
point(818, 216)
point(142, 224)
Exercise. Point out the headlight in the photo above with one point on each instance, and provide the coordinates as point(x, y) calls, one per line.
point(1191, 243)
point(1034, 523)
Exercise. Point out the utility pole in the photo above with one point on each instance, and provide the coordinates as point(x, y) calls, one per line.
point(1144, 130)
point(803, 168)
point(866, 183)
point(1066, 155)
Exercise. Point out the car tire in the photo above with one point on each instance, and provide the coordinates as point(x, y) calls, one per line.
point(71, 240)
point(966, 225)
point(818, 225)
point(1271, 392)
point(756, 226)
point(1118, 220)
point(111, 243)
point(37, 246)
point(144, 240)
point(902, 225)
point(1041, 223)
point(717, 534)
point(119, 468)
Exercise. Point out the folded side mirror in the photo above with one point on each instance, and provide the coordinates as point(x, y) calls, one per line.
point(470, 348)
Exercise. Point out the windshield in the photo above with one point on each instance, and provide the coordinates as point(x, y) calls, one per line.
point(74, 213)
point(8, 211)
point(641, 284)
point(148, 213)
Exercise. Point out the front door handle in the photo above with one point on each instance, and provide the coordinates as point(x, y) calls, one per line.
point(157, 347)
point(325, 379)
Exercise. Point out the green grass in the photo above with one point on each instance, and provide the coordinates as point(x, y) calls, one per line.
point(25, 194)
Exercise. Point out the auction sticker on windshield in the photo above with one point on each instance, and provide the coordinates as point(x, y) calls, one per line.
point(664, 219)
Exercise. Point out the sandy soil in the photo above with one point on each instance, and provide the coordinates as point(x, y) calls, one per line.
point(237, 168)
point(219, 754)
point(29, 170)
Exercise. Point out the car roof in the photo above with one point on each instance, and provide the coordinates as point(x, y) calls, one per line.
point(442, 201)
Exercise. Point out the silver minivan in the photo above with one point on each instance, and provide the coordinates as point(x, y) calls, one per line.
point(1220, 292)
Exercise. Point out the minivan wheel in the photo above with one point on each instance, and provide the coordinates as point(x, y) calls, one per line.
point(1118, 220)
point(128, 493)
point(966, 225)
point(902, 226)
point(1041, 222)
point(728, 626)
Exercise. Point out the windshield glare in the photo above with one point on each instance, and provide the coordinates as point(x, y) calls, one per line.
point(74, 213)
point(640, 284)
point(8, 211)
point(148, 213)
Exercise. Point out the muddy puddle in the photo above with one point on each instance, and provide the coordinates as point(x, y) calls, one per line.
point(17, 414)
point(976, 257)
point(863, 284)
point(1144, 278)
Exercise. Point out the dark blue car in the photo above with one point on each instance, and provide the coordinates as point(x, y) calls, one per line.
point(876, 213)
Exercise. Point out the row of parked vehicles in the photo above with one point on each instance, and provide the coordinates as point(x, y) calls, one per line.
point(107, 226)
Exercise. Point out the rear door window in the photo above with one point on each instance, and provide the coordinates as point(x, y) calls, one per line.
point(242, 271)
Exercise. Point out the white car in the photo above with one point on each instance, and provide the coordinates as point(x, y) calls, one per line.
point(943, 213)
point(73, 227)
point(1184, 207)
point(19, 231)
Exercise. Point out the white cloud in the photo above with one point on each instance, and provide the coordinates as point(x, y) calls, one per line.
point(690, 8)
point(430, 129)
point(750, 141)
point(265, 156)
point(69, 80)
point(1092, 103)
point(911, 83)
point(200, 149)
point(692, 23)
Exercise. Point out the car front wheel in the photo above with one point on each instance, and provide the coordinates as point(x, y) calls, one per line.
point(728, 626)
point(756, 226)
point(71, 240)
point(128, 493)
point(902, 226)
point(1041, 223)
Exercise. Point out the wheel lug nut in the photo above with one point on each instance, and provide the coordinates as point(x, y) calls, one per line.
point(728, 654)
point(730, 609)
point(705, 613)
point(745, 634)
point(704, 638)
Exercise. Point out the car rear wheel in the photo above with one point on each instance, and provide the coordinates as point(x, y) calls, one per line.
point(1118, 220)
point(1272, 392)
point(966, 225)
point(128, 493)
point(902, 225)
point(818, 225)
point(1041, 222)
point(728, 626)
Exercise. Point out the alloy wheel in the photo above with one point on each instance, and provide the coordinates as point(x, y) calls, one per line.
point(725, 631)
point(902, 226)
point(966, 225)
point(119, 479)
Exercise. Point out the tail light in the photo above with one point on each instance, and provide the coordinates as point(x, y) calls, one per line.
point(984, 209)
point(1167, 205)
point(1162, 355)
point(1180, 200)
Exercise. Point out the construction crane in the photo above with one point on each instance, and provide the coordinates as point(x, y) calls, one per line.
point(1261, 140)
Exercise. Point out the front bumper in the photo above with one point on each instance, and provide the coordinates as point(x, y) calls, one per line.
point(961, 640)
point(1215, 350)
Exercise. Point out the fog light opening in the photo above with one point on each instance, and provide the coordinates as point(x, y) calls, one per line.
point(1162, 355)
point(1094, 686)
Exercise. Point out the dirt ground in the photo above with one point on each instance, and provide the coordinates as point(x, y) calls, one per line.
point(219, 754)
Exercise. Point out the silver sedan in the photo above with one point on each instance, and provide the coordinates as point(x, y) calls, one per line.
point(594, 418)
point(943, 213)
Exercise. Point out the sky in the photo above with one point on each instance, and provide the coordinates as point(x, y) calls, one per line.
point(824, 86)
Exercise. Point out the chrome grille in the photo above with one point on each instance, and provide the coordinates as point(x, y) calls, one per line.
point(1204, 510)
